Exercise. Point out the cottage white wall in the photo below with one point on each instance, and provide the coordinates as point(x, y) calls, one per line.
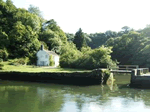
point(42, 58)
point(56, 59)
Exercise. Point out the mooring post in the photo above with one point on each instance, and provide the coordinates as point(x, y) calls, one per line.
point(127, 67)
point(133, 75)
point(139, 71)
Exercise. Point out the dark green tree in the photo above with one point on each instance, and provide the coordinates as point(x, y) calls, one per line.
point(97, 39)
point(132, 48)
point(79, 39)
point(70, 37)
point(4, 41)
point(7, 11)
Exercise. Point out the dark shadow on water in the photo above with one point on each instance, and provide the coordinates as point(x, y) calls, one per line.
point(128, 86)
point(122, 86)
point(54, 82)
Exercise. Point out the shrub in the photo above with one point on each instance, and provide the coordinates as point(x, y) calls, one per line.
point(87, 59)
point(51, 61)
point(1, 60)
point(32, 59)
point(69, 56)
point(20, 61)
point(3, 54)
point(1, 66)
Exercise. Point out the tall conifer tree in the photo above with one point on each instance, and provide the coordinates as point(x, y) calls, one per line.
point(79, 39)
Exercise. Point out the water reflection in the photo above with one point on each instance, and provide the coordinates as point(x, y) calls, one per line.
point(37, 97)
point(50, 99)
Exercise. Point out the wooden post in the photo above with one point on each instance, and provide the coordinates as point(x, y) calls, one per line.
point(127, 67)
point(133, 76)
point(139, 72)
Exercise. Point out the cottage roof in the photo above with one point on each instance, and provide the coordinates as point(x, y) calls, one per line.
point(51, 53)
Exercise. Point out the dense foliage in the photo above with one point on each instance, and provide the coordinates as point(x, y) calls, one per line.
point(79, 39)
point(87, 58)
point(131, 48)
point(23, 31)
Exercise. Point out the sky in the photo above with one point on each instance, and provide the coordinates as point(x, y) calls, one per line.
point(92, 15)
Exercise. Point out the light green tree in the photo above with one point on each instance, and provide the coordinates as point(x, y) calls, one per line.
point(35, 10)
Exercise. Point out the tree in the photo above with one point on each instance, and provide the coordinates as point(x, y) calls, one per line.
point(52, 35)
point(10, 4)
point(52, 27)
point(35, 10)
point(87, 59)
point(28, 19)
point(70, 37)
point(23, 41)
point(3, 54)
point(7, 11)
point(69, 55)
point(126, 29)
point(79, 39)
point(110, 33)
point(146, 31)
point(4, 41)
point(132, 48)
point(97, 39)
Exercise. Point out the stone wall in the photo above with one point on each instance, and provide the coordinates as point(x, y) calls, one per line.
point(97, 76)
point(139, 80)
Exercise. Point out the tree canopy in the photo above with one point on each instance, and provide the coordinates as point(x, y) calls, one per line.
point(23, 31)
point(79, 39)
point(35, 10)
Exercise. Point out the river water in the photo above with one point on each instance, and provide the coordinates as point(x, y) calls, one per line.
point(17, 96)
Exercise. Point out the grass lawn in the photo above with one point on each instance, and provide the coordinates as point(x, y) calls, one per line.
point(31, 68)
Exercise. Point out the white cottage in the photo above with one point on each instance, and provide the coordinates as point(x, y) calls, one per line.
point(43, 57)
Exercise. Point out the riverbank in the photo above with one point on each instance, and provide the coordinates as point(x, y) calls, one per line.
point(53, 75)
point(32, 68)
point(97, 76)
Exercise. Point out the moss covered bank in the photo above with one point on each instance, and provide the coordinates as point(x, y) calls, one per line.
point(96, 76)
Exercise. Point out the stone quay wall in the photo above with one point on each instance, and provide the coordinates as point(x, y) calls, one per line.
point(97, 76)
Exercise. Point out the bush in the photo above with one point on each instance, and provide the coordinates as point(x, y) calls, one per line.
point(69, 58)
point(20, 61)
point(3, 54)
point(1, 66)
point(32, 59)
point(87, 59)
point(51, 61)
point(1, 60)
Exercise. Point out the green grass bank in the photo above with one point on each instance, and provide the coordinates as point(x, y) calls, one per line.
point(53, 75)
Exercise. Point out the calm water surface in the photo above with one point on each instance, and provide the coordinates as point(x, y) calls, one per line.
point(39, 97)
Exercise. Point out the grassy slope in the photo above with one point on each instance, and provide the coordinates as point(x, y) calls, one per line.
point(30, 68)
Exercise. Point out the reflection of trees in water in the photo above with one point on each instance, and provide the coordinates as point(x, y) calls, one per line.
point(8, 96)
point(27, 99)
point(129, 95)
point(16, 88)
point(50, 99)
point(143, 95)
point(79, 102)
point(106, 95)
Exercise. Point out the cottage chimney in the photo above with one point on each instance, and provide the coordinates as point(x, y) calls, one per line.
point(42, 47)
